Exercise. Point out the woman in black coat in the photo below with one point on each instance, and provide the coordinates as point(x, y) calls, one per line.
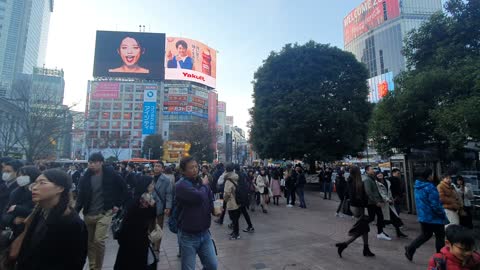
point(20, 204)
point(342, 192)
point(55, 237)
point(133, 238)
point(358, 202)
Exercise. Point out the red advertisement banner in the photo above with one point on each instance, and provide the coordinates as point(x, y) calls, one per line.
point(105, 90)
point(367, 16)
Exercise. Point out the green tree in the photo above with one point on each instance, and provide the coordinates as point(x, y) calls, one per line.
point(310, 101)
point(153, 146)
point(436, 100)
point(200, 137)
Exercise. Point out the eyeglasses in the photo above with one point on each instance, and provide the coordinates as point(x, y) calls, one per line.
point(39, 183)
point(462, 249)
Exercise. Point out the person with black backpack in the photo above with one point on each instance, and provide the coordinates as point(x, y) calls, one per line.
point(242, 193)
point(232, 200)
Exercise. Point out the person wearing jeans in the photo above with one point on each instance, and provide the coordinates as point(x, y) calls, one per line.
point(195, 204)
point(301, 181)
point(192, 244)
point(101, 193)
point(431, 214)
point(327, 184)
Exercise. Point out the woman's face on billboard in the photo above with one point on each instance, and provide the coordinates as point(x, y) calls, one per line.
point(130, 51)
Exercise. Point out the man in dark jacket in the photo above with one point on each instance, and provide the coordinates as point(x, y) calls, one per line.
point(398, 192)
point(101, 193)
point(300, 184)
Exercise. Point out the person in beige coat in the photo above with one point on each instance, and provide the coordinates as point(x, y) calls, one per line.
point(261, 186)
point(231, 184)
point(390, 214)
point(450, 199)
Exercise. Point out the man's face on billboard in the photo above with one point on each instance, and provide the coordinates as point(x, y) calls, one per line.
point(182, 51)
point(130, 51)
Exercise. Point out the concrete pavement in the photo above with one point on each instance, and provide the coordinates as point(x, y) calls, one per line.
point(295, 238)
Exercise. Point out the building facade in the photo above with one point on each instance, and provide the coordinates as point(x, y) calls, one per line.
point(374, 33)
point(118, 116)
point(23, 38)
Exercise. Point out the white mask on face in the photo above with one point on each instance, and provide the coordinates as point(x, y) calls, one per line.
point(7, 176)
point(23, 180)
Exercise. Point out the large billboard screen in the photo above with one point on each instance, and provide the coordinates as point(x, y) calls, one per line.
point(190, 60)
point(129, 54)
point(380, 86)
point(369, 15)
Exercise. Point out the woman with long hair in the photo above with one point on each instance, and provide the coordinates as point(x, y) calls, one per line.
point(133, 239)
point(55, 237)
point(275, 186)
point(358, 202)
point(261, 184)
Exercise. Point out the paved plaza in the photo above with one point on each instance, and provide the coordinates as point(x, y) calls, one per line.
point(300, 239)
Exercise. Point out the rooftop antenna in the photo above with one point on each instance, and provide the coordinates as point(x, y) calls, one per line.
point(140, 28)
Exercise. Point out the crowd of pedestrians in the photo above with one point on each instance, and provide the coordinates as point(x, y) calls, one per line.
point(57, 218)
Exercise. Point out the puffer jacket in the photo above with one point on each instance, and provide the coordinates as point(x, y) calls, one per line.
point(449, 196)
point(429, 208)
point(231, 181)
point(452, 263)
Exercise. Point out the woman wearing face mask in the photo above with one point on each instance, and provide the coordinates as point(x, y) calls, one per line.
point(20, 204)
point(55, 237)
point(9, 175)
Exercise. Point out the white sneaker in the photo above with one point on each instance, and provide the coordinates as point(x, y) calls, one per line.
point(337, 214)
point(289, 205)
point(382, 236)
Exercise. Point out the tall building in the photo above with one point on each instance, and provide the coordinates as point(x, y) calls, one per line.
point(119, 114)
point(24, 28)
point(374, 33)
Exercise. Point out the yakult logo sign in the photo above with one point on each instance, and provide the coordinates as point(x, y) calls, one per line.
point(193, 76)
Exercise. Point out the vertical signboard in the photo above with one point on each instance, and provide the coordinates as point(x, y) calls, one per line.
point(212, 115)
point(149, 110)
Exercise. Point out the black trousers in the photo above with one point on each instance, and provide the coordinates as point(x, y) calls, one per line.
point(235, 216)
point(291, 196)
point(428, 230)
point(243, 210)
point(467, 220)
point(373, 211)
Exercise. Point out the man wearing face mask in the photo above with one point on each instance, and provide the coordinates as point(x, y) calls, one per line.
point(20, 204)
point(9, 175)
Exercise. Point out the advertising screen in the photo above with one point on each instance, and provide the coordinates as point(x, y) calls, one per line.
point(105, 90)
point(380, 86)
point(190, 60)
point(149, 110)
point(369, 15)
point(129, 54)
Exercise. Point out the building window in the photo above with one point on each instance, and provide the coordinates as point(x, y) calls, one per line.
point(117, 106)
point(127, 116)
point(138, 106)
point(106, 115)
point(107, 106)
point(116, 115)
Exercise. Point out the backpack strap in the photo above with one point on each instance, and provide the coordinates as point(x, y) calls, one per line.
point(440, 261)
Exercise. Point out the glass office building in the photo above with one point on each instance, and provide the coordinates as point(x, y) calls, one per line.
point(24, 28)
point(375, 30)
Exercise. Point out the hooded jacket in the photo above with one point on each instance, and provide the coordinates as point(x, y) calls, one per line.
point(429, 208)
point(231, 179)
point(448, 196)
point(453, 263)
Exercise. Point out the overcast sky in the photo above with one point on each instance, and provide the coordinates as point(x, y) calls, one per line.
point(242, 31)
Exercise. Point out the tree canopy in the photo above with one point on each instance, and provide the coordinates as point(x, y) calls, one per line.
point(200, 137)
point(153, 146)
point(436, 100)
point(310, 100)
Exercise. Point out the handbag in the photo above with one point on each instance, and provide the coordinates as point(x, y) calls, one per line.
point(157, 234)
point(117, 222)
